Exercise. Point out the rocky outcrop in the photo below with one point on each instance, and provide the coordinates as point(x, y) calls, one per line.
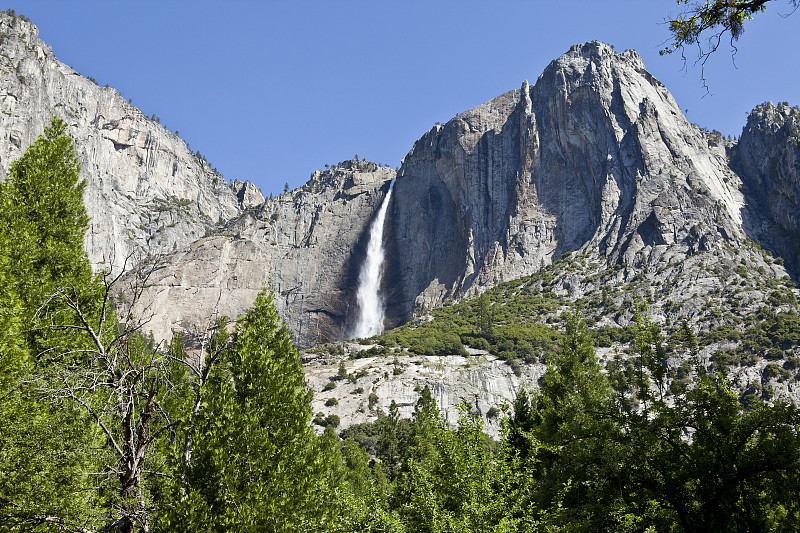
point(248, 194)
point(306, 245)
point(481, 381)
point(146, 191)
point(767, 157)
point(592, 171)
point(595, 156)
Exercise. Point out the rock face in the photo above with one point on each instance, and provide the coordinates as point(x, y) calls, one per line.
point(596, 156)
point(307, 245)
point(593, 170)
point(594, 159)
point(146, 191)
point(248, 194)
point(767, 157)
point(481, 381)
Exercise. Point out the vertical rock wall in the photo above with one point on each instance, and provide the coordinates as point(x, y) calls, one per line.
point(596, 153)
point(306, 245)
point(146, 191)
point(767, 157)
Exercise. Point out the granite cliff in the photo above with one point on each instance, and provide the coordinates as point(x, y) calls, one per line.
point(595, 159)
point(146, 193)
point(767, 157)
point(306, 245)
point(595, 155)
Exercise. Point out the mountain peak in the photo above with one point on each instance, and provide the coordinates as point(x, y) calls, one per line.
point(591, 49)
point(597, 51)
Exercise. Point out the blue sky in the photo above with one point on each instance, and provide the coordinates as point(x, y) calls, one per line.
point(270, 91)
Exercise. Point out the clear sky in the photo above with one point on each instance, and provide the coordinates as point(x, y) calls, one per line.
point(271, 90)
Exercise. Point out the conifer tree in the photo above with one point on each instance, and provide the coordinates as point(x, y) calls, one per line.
point(43, 455)
point(13, 352)
point(45, 216)
point(255, 464)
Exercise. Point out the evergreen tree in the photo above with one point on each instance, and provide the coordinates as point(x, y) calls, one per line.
point(705, 461)
point(254, 464)
point(42, 226)
point(45, 216)
point(571, 430)
point(45, 447)
point(14, 356)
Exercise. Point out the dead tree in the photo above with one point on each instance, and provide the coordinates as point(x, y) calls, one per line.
point(127, 385)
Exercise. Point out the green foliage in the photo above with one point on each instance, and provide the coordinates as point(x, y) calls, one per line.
point(14, 355)
point(621, 459)
point(46, 439)
point(44, 457)
point(437, 342)
point(449, 481)
point(42, 221)
point(44, 216)
point(254, 465)
point(16, 15)
point(358, 493)
point(507, 320)
point(771, 335)
point(718, 16)
point(224, 441)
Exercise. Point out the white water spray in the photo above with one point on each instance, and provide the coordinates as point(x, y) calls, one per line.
point(370, 301)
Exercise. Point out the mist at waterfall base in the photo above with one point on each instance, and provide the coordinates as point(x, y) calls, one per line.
point(370, 300)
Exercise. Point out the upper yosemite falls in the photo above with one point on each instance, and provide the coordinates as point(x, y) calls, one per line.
point(595, 159)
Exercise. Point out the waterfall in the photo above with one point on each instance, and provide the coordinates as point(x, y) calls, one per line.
point(370, 302)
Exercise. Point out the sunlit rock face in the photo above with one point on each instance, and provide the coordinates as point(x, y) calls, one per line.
point(306, 245)
point(596, 155)
point(594, 158)
point(480, 383)
point(146, 191)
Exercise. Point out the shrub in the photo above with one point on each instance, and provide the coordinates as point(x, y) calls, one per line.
point(372, 401)
point(771, 371)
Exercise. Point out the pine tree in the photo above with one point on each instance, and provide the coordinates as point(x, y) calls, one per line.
point(45, 221)
point(14, 355)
